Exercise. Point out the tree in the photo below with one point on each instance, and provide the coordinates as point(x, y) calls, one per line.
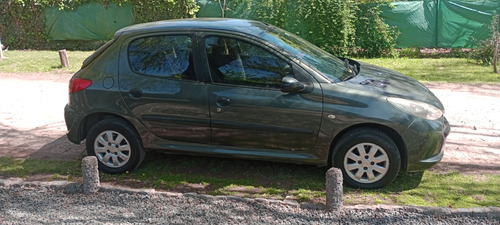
point(223, 7)
point(496, 38)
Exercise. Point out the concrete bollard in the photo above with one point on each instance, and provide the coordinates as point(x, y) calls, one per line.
point(334, 189)
point(90, 175)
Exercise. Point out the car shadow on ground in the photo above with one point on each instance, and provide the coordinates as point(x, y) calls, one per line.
point(60, 149)
point(186, 173)
point(182, 173)
point(38, 143)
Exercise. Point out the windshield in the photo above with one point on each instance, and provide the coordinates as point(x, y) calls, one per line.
point(325, 63)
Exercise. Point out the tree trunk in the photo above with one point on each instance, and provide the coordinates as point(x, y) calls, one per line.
point(1, 49)
point(495, 55)
point(222, 7)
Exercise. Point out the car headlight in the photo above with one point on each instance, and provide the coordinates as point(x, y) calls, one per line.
point(416, 108)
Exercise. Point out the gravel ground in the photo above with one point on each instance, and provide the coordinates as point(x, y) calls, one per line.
point(62, 202)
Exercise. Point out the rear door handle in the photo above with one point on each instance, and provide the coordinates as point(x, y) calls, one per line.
point(135, 93)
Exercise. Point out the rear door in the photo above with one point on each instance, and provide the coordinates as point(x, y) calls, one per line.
point(246, 104)
point(159, 83)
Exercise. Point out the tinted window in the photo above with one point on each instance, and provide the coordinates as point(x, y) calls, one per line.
point(165, 56)
point(237, 62)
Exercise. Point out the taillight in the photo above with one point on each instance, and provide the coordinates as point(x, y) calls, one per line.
point(78, 84)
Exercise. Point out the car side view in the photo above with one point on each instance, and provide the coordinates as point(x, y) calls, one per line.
point(247, 89)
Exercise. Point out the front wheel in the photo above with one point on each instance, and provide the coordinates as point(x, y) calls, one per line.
point(368, 158)
point(116, 145)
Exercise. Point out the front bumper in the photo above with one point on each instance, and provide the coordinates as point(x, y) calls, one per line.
point(425, 141)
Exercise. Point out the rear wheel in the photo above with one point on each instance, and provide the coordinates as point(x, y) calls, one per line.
point(368, 158)
point(116, 145)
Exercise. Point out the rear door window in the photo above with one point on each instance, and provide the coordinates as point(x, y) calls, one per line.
point(168, 56)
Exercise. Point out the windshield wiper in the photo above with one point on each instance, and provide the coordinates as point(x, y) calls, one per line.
point(352, 70)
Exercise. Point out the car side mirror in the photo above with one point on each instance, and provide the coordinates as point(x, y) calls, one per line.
point(291, 85)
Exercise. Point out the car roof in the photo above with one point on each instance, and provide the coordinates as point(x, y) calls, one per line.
point(249, 27)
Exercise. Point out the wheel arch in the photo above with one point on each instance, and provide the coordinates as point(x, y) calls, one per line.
point(91, 119)
point(398, 140)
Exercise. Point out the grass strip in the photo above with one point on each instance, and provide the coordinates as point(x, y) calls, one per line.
point(450, 70)
point(41, 61)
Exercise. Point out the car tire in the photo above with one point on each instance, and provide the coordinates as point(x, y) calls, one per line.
point(368, 158)
point(116, 145)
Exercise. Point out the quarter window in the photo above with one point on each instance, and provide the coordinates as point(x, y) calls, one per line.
point(163, 56)
point(238, 62)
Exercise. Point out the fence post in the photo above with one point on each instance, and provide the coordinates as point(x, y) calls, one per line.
point(496, 38)
point(64, 58)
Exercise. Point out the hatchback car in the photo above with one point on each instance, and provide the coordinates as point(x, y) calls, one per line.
point(246, 89)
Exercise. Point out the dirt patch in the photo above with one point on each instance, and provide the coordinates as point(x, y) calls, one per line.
point(32, 121)
point(32, 116)
point(473, 112)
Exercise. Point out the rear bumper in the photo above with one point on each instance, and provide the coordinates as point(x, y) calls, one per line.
point(72, 120)
point(425, 141)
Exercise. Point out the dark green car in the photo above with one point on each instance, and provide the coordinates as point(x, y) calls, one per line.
point(246, 89)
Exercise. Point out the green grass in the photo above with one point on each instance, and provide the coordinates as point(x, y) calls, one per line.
point(452, 70)
point(41, 61)
point(29, 167)
point(448, 189)
point(277, 180)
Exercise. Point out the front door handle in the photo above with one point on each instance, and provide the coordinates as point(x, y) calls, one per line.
point(135, 93)
point(223, 102)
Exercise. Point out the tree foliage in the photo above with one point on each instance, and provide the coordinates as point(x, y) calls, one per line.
point(22, 22)
point(484, 54)
point(373, 36)
point(342, 27)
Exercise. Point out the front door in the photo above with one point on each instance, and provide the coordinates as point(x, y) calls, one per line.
point(246, 105)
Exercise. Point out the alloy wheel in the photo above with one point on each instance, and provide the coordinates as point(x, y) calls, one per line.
point(366, 163)
point(112, 149)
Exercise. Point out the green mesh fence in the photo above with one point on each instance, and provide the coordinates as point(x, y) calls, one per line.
point(441, 23)
point(427, 23)
point(88, 22)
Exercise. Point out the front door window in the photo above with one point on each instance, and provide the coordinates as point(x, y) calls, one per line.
point(237, 62)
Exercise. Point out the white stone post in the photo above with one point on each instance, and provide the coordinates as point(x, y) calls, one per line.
point(90, 174)
point(334, 189)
